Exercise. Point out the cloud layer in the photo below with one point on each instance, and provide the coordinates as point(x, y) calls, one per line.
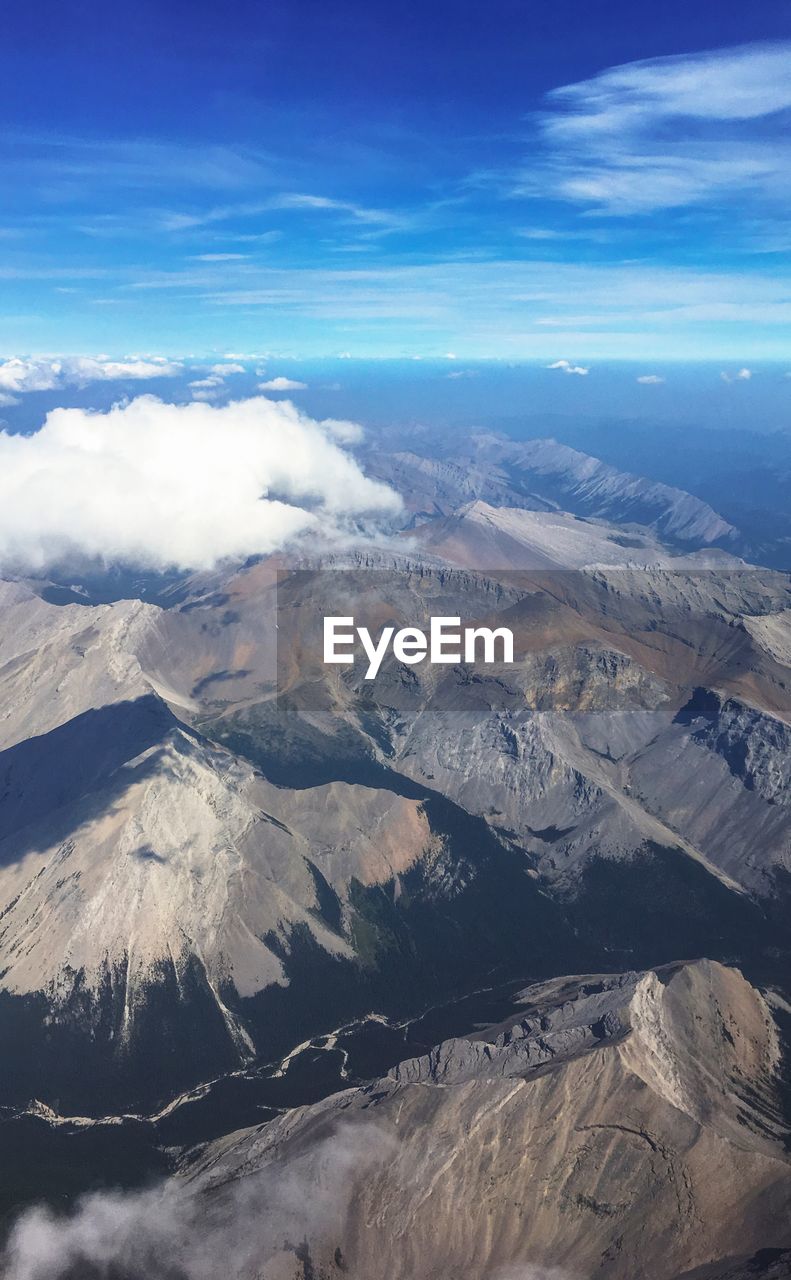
point(18, 375)
point(161, 485)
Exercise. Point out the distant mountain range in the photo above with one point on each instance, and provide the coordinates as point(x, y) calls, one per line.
point(543, 475)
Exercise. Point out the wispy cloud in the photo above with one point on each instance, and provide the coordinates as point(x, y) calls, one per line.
point(553, 235)
point(650, 379)
point(211, 387)
point(479, 308)
point(666, 133)
point(375, 220)
point(207, 389)
point(219, 257)
point(742, 375)
point(532, 307)
point(65, 162)
point(298, 200)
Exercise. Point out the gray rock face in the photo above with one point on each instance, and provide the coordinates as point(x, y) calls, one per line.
point(164, 827)
point(592, 1013)
point(478, 535)
point(626, 1128)
point(589, 486)
point(723, 780)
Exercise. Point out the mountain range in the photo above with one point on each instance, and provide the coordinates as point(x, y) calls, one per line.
point(490, 966)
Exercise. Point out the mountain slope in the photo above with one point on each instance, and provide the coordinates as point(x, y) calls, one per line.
point(584, 1137)
point(479, 536)
point(543, 475)
point(180, 850)
point(588, 486)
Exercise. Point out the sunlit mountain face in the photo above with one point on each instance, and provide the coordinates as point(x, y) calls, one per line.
point(395, 643)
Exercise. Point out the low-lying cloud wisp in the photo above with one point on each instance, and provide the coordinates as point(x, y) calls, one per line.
point(568, 367)
point(175, 1232)
point(162, 486)
point(282, 384)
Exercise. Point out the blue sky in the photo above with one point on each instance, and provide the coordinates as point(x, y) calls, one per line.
point(518, 180)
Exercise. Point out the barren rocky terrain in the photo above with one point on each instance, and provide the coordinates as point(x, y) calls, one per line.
point(257, 916)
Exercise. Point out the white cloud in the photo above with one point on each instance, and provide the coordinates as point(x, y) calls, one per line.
point(742, 83)
point(541, 233)
point(495, 307)
point(29, 375)
point(743, 375)
point(173, 1228)
point(668, 132)
point(342, 431)
point(119, 164)
point(282, 384)
point(568, 367)
point(209, 387)
point(382, 220)
point(159, 485)
point(19, 375)
point(650, 379)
